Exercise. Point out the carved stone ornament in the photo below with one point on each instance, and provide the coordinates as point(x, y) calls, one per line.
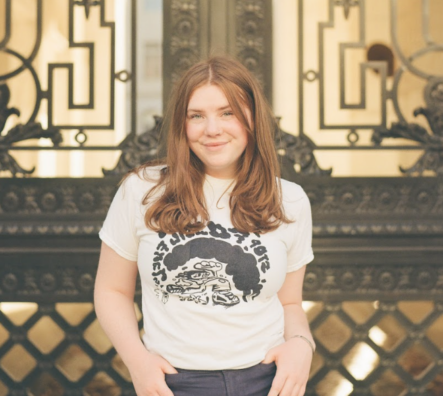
point(250, 45)
point(184, 47)
point(373, 281)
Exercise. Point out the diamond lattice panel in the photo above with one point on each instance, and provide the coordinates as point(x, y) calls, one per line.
point(61, 347)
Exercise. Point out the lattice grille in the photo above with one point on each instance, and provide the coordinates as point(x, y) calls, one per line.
point(363, 348)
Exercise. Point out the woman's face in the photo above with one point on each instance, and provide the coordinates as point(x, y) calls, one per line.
point(215, 135)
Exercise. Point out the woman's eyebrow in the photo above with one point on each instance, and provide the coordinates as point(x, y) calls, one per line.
point(219, 109)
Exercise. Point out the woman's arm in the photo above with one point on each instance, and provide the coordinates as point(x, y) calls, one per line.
point(294, 357)
point(114, 305)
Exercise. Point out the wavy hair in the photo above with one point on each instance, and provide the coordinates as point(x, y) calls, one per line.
point(177, 202)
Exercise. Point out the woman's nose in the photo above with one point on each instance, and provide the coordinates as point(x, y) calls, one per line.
point(212, 127)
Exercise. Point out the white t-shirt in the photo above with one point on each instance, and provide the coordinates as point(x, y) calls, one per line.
point(209, 300)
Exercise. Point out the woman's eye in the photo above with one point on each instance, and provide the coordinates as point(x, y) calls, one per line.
point(228, 113)
point(195, 116)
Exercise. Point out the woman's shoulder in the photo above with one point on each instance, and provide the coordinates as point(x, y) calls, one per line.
point(291, 192)
point(141, 180)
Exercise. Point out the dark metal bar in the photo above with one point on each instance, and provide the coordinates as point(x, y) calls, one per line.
point(301, 68)
point(91, 49)
point(133, 130)
point(7, 36)
point(111, 26)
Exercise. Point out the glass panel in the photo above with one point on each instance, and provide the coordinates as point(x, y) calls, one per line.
point(74, 363)
point(333, 333)
point(416, 311)
point(3, 389)
point(45, 334)
point(416, 360)
point(95, 336)
point(45, 385)
point(435, 332)
point(18, 312)
point(361, 360)
point(317, 364)
point(389, 384)
point(120, 367)
point(312, 309)
point(74, 313)
point(4, 335)
point(388, 333)
point(149, 62)
point(17, 363)
point(435, 388)
point(334, 384)
point(359, 311)
point(102, 385)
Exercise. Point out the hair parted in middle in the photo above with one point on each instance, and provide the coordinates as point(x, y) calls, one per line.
point(255, 201)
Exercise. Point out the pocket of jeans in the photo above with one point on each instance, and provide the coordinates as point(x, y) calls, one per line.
point(172, 377)
point(271, 364)
point(268, 367)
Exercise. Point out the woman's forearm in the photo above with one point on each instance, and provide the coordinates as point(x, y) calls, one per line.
point(116, 314)
point(296, 323)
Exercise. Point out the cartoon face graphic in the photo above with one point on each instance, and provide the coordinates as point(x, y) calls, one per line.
point(202, 284)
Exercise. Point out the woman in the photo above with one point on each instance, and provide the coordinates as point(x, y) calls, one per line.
point(221, 245)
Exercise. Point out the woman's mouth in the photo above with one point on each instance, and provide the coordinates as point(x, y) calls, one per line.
point(214, 145)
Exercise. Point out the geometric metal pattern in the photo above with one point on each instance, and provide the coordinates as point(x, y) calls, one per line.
point(324, 52)
point(79, 358)
point(65, 114)
point(377, 348)
point(371, 348)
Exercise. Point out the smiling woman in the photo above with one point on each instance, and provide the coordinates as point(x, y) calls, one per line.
point(221, 244)
point(215, 135)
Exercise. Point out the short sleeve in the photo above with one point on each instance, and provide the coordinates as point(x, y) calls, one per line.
point(119, 228)
point(300, 252)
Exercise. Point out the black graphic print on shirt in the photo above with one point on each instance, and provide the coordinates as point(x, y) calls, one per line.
point(218, 266)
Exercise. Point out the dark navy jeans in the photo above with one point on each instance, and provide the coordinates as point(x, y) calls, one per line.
point(251, 381)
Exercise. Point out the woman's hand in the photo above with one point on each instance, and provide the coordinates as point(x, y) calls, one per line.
point(293, 360)
point(148, 375)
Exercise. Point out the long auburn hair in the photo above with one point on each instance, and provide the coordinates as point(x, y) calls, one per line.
point(256, 199)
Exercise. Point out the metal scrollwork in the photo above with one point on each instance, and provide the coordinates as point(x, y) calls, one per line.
point(137, 150)
point(19, 133)
point(298, 151)
point(432, 159)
